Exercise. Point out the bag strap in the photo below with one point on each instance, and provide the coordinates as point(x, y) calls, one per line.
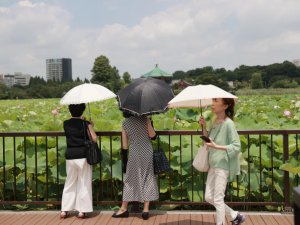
point(84, 130)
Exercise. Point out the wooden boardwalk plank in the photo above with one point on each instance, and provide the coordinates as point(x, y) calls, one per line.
point(172, 219)
point(208, 219)
point(270, 220)
point(282, 220)
point(160, 218)
point(184, 219)
point(196, 219)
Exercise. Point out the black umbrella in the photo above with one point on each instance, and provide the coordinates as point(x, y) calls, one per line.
point(145, 96)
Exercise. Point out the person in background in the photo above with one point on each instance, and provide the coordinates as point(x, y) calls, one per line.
point(137, 155)
point(77, 193)
point(224, 155)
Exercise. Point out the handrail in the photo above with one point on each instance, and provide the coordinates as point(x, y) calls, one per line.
point(57, 184)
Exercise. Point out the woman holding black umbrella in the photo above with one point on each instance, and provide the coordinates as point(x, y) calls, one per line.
point(142, 97)
point(140, 182)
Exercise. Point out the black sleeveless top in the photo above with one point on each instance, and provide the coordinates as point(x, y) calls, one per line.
point(76, 135)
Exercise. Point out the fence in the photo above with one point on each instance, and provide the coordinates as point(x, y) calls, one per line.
point(32, 169)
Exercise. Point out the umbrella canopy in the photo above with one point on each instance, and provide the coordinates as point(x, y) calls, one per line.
point(198, 96)
point(86, 93)
point(145, 96)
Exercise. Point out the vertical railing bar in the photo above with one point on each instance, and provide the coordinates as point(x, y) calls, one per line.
point(297, 157)
point(170, 184)
point(249, 177)
point(57, 171)
point(260, 168)
point(181, 167)
point(15, 172)
point(101, 184)
point(192, 168)
point(272, 166)
point(35, 171)
point(47, 183)
point(25, 166)
point(4, 163)
point(286, 173)
point(158, 178)
point(111, 167)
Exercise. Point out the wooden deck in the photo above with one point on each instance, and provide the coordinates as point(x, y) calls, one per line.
point(157, 218)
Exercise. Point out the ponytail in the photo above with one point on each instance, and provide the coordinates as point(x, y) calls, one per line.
point(230, 109)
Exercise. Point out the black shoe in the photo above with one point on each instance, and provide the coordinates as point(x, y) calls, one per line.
point(124, 214)
point(145, 215)
point(240, 218)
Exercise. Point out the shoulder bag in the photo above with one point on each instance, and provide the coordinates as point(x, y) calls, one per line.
point(93, 152)
point(160, 162)
point(200, 161)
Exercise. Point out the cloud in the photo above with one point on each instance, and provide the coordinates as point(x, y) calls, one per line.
point(184, 36)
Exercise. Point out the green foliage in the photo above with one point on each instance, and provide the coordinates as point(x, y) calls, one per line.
point(103, 73)
point(262, 168)
point(256, 81)
point(126, 78)
point(242, 76)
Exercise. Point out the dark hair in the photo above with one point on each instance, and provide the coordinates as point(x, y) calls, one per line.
point(230, 109)
point(126, 114)
point(77, 110)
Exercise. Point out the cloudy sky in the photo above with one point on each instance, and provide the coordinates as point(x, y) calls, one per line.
point(137, 34)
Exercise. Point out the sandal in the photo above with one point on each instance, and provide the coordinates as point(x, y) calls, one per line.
point(63, 214)
point(81, 215)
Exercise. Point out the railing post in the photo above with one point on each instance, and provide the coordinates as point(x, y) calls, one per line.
point(287, 204)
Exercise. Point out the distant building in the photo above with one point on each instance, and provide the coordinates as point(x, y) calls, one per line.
point(180, 84)
point(59, 69)
point(159, 74)
point(16, 79)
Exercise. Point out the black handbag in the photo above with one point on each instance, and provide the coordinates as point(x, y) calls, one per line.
point(93, 152)
point(160, 162)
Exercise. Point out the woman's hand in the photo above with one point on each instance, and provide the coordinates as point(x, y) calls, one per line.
point(214, 145)
point(202, 122)
point(91, 123)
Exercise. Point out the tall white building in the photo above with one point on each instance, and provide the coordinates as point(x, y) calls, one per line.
point(59, 69)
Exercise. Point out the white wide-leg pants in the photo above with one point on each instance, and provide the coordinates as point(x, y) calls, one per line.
point(77, 194)
point(215, 192)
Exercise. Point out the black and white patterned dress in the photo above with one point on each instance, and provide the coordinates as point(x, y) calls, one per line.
point(139, 181)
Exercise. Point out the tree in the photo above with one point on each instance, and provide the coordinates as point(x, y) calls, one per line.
point(102, 71)
point(256, 81)
point(115, 83)
point(3, 91)
point(126, 78)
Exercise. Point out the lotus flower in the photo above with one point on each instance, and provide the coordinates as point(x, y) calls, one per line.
point(287, 113)
point(54, 112)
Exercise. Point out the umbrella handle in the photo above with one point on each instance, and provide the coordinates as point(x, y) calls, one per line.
point(89, 112)
point(200, 105)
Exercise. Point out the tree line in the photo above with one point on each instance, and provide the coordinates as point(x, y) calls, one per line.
point(277, 75)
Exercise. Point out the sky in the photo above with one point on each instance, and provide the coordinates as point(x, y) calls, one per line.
point(137, 34)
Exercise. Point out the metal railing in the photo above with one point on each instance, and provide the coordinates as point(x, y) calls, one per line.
point(32, 169)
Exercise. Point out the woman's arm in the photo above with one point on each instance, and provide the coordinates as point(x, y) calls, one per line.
point(234, 145)
point(92, 132)
point(203, 126)
point(124, 139)
point(151, 131)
